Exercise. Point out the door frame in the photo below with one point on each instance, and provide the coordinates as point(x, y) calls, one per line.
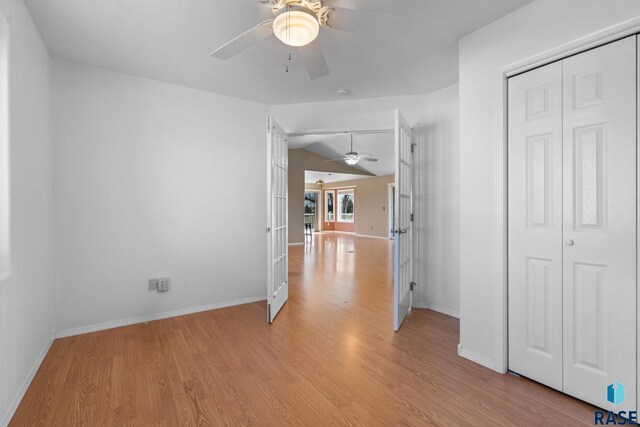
point(416, 200)
point(628, 28)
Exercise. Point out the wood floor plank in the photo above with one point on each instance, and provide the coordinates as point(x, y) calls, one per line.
point(330, 358)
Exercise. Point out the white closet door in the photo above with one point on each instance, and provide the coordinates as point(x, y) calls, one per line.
point(535, 225)
point(600, 223)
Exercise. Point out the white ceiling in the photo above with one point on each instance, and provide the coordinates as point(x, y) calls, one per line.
point(310, 177)
point(170, 40)
point(380, 145)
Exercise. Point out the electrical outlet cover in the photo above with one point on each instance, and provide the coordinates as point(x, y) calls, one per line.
point(163, 284)
point(153, 284)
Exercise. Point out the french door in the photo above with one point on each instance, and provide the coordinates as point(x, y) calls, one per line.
point(277, 219)
point(572, 224)
point(403, 233)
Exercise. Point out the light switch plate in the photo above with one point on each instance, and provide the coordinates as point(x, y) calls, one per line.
point(153, 284)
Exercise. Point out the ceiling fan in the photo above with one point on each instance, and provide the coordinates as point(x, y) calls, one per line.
point(297, 23)
point(352, 158)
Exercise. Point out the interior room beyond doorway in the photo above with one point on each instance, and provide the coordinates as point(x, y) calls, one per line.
point(347, 203)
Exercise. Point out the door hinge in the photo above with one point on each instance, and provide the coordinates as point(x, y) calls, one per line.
point(411, 218)
point(413, 144)
point(412, 285)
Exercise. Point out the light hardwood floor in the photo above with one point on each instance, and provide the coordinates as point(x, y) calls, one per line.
point(330, 358)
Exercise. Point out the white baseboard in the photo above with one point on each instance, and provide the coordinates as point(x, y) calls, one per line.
point(296, 244)
point(439, 309)
point(27, 382)
point(374, 237)
point(480, 360)
point(444, 310)
point(151, 317)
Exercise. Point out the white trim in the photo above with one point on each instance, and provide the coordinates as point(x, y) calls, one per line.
point(480, 360)
point(443, 310)
point(6, 266)
point(297, 244)
point(347, 187)
point(372, 237)
point(597, 38)
point(390, 209)
point(148, 318)
point(326, 205)
point(345, 191)
point(27, 382)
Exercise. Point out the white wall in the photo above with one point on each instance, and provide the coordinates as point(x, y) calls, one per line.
point(26, 296)
point(440, 196)
point(530, 31)
point(437, 189)
point(153, 179)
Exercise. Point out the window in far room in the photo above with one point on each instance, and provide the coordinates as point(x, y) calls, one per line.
point(346, 205)
point(329, 206)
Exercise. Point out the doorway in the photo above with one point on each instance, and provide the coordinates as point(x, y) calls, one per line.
point(346, 206)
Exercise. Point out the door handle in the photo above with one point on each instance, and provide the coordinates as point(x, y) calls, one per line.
point(400, 231)
point(569, 242)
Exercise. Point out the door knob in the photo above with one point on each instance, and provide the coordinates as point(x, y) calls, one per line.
point(569, 242)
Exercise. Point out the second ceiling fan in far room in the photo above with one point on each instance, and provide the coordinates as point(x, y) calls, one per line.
point(352, 158)
point(297, 23)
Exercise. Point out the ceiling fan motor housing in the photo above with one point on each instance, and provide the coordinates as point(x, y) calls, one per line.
point(321, 13)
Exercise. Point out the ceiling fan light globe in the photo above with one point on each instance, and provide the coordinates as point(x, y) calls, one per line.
point(351, 161)
point(296, 26)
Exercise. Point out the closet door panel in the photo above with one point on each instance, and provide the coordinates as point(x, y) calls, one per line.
point(599, 226)
point(535, 225)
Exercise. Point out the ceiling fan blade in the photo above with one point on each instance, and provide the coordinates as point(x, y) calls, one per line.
point(313, 60)
point(361, 21)
point(368, 159)
point(342, 159)
point(244, 40)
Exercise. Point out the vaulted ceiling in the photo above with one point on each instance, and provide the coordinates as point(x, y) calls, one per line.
point(170, 40)
point(380, 145)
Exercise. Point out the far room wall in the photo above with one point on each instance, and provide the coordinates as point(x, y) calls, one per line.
point(301, 160)
point(371, 204)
